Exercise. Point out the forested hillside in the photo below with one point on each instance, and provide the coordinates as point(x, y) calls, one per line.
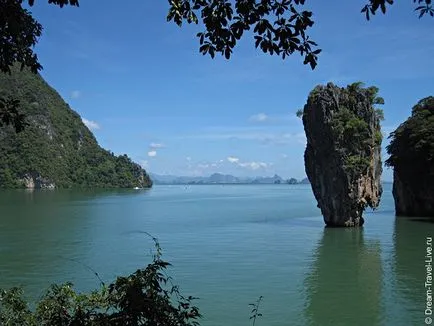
point(56, 149)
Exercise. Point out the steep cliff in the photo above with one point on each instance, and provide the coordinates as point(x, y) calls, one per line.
point(343, 152)
point(412, 157)
point(56, 150)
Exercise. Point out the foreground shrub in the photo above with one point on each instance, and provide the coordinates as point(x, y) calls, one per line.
point(146, 297)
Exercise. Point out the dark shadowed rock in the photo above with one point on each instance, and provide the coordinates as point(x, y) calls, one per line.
point(343, 152)
point(412, 157)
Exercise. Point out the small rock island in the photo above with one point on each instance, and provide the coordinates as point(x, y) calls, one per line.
point(343, 152)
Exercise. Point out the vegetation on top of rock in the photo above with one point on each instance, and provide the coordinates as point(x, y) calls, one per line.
point(413, 141)
point(351, 130)
point(56, 147)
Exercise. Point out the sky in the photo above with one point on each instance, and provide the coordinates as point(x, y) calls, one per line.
point(142, 87)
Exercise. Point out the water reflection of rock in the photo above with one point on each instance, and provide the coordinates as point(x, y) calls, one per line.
point(410, 254)
point(344, 286)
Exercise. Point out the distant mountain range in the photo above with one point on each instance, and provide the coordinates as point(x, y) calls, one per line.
point(218, 178)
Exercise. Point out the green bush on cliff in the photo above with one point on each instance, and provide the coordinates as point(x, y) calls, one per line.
point(412, 143)
point(351, 127)
point(356, 163)
point(378, 137)
point(56, 144)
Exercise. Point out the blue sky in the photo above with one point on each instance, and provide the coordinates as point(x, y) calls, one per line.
point(144, 89)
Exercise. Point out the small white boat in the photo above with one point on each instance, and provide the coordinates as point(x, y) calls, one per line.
point(136, 188)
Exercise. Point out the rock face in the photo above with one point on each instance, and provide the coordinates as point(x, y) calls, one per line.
point(34, 180)
point(412, 158)
point(411, 199)
point(343, 152)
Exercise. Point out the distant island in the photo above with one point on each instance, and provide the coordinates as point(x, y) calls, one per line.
point(219, 178)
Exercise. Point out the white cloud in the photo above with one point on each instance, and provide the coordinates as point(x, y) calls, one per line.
point(75, 94)
point(254, 165)
point(248, 165)
point(153, 149)
point(260, 117)
point(156, 145)
point(203, 167)
point(92, 125)
point(232, 159)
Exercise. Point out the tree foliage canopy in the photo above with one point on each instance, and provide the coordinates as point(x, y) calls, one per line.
point(279, 26)
point(412, 143)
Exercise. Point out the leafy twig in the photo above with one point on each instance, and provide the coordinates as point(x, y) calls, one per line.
point(255, 311)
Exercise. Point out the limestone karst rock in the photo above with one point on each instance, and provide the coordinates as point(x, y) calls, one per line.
point(343, 152)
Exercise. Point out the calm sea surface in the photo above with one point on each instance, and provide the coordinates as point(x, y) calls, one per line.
point(228, 246)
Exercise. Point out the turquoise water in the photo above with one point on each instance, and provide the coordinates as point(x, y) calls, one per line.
point(228, 245)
